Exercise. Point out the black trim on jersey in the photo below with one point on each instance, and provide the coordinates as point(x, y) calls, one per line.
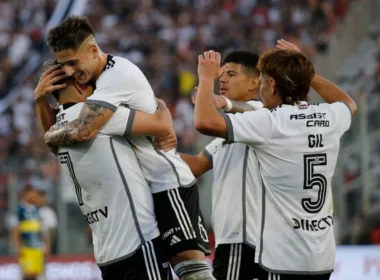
point(128, 193)
point(244, 189)
point(207, 155)
point(110, 62)
point(262, 241)
point(230, 130)
point(171, 164)
point(68, 105)
point(130, 121)
point(101, 103)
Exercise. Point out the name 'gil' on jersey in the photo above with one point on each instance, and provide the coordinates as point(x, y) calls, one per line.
point(297, 153)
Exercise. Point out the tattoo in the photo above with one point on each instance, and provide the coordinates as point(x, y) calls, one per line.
point(240, 107)
point(78, 130)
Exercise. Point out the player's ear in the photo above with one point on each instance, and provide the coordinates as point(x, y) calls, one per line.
point(94, 50)
point(273, 86)
point(254, 82)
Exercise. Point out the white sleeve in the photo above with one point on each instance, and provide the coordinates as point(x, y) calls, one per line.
point(211, 149)
point(127, 85)
point(120, 123)
point(343, 115)
point(254, 127)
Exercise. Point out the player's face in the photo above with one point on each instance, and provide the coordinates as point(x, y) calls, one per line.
point(80, 64)
point(235, 84)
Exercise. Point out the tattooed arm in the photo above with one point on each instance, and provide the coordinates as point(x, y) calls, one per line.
point(84, 128)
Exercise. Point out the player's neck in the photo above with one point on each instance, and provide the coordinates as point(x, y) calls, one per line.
point(102, 63)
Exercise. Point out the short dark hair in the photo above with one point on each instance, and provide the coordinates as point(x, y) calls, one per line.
point(246, 58)
point(70, 33)
point(292, 71)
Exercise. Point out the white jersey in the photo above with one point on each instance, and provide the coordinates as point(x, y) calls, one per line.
point(162, 170)
point(122, 82)
point(236, 180)
point(297, 149)
point(112, 192)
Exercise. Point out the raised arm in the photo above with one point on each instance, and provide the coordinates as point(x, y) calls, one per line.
point(198, 164)
point(207, 120)
point(329, 91)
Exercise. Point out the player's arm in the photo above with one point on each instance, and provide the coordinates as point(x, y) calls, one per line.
point(91, 119)
point(129, 122)
point(240, 107)
point(199, 164)
point(157, 124)
point(207, 120)
point(331, 93)
point(228, 105)
point(45, 113)
point(47, 85)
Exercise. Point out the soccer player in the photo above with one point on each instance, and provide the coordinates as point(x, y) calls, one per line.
point(296, 145)
point(27, 232)
point(236, 175)
point(112, 192)
point(119, 82)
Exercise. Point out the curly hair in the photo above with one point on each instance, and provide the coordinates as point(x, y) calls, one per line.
point(70, 33)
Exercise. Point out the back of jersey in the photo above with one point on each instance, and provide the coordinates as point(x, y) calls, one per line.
point(297, 148)
point(112, 192)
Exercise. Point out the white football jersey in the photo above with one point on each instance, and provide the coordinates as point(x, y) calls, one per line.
point(297, 149)
point(162, 170)
point(122, 82)
point(236, 181)
point(112, 192)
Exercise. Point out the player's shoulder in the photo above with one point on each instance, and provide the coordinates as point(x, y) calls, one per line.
point(117, 69)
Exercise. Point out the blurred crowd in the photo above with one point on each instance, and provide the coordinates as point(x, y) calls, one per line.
point(163, 37)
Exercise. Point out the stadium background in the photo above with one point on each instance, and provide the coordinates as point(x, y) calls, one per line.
point(164, 37)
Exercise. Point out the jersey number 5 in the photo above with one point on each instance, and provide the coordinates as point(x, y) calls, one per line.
point(64, 158)
point(312, 180)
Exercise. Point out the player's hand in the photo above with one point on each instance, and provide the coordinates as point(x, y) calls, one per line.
point(285, 45)
point(46, 83)
point(209, 65)
point(219, 101)
point(167, 142)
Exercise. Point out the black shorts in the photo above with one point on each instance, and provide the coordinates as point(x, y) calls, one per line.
point(265, 275)
point(235, 262)
point(148, 263)
point(180, 220)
